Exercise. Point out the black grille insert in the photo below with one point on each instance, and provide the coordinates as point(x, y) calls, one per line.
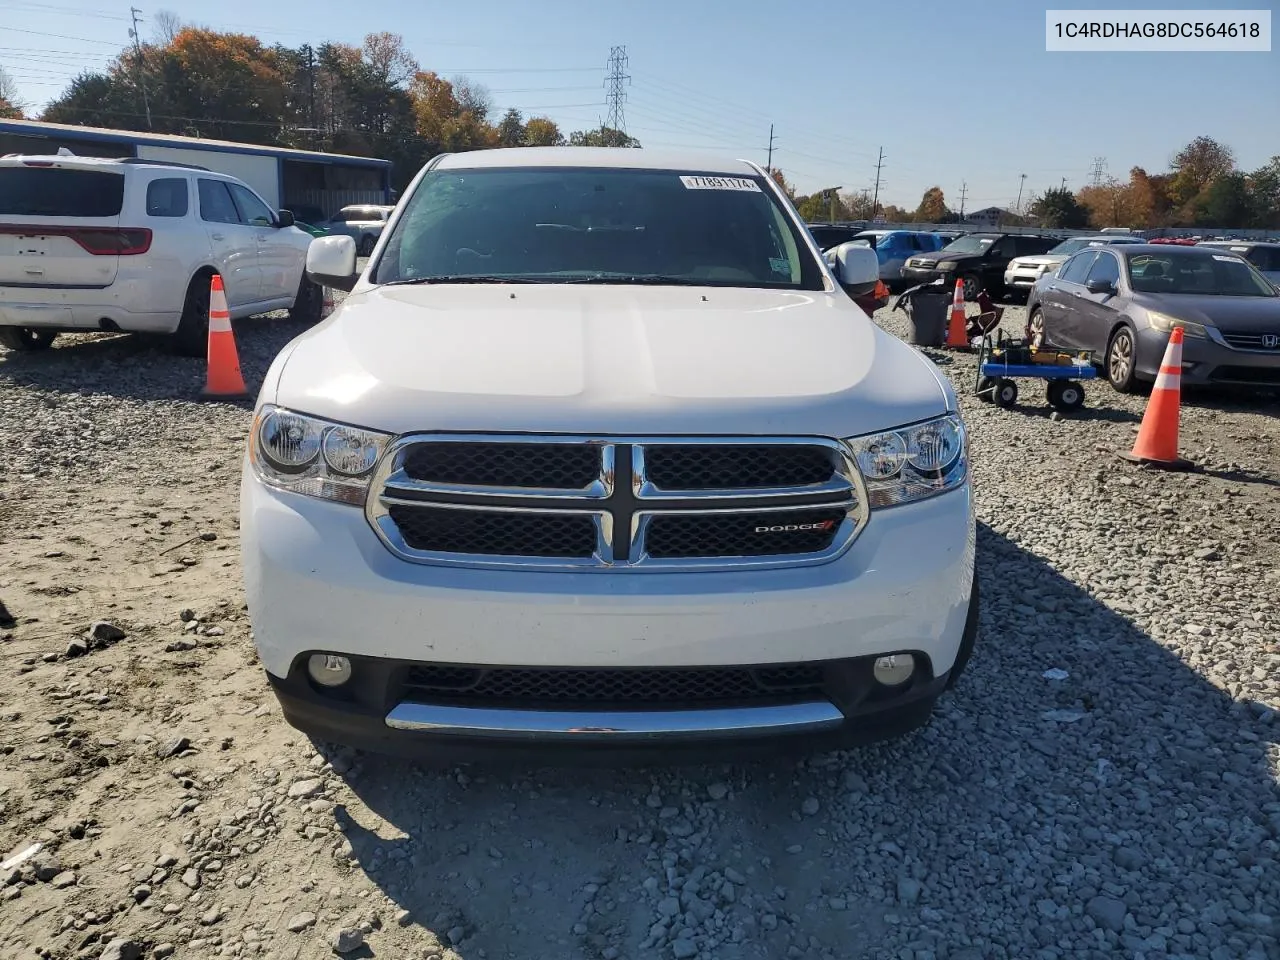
point(730, 466)
point(608, 686)
point(1266, 376)
point(563, 466)
point(495, 533)
point(764, 534)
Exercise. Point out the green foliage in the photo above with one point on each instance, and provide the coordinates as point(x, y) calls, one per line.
point(602, 136)
point(1059, 208)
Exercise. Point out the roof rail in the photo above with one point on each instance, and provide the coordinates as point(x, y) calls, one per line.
point(161, 163)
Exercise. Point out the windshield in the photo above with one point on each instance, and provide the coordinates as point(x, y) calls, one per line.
point(606, 225)
point(969, 245)
point(1213, 275)
point(1068, 247)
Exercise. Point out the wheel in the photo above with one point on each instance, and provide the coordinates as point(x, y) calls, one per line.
point(1065, 395)
point(191, 339)
point(1035, 328)
point(366, 246)
point(307, 304)
point(987, 389)
point(972, 287)
point(1122, 361)
point(26, 339)
point(1006, 393)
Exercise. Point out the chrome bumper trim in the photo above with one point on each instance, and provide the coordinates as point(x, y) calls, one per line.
point(581, 725)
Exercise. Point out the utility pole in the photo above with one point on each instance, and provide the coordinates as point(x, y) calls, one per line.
point(1064, 183)
point(1017, 206)
point(964, 189)
point(769, 163)
point(137, 49)
point(875, 201)
point(616, 81)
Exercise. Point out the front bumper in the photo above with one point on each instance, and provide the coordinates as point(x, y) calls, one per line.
point(318, 580)
point(916, 275)
point(1022, 279)
point(1208, 363)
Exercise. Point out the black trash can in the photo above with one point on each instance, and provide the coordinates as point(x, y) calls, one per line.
point(927, 315)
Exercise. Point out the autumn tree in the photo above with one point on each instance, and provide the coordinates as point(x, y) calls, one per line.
point(1264, 192)
point(1225, 203)
point(892, 213)
point(473, 98)
point(1196, 166)
point(9, 108)
point(779, 178)
point(167, 25)
point(933, 207)
point(542, 132)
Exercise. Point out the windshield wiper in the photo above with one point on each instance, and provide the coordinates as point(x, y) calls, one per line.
point(460, 278)
point(648, 279)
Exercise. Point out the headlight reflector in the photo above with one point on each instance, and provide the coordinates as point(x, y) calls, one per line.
point(912, 463)
point(946, 266)
point(1165, 324)
point(304, 454)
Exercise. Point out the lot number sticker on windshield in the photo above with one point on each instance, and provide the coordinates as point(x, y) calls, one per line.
point(1226, 259)
point(719, 183)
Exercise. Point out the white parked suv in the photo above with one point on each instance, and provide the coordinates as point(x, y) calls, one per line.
point(104, 244)
point(599, 453)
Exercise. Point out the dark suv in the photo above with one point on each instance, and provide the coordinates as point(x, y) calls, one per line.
point(978, 259)
point(828, 235)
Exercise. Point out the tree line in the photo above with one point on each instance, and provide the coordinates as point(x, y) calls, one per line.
point(374, 100)
point(1202, 188)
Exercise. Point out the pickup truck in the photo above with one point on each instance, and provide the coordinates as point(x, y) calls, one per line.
point(599, 456)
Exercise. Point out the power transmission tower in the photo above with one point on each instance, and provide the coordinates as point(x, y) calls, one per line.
point(137, 49)
point(1099, 166)
point(1064, 183)
point(875, 201)
point(769, 163)
point(616, 81)
point(964, 189)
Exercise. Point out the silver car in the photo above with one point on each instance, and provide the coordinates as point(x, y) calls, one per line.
point(363, 223)
point(1023, 272)
point(1120, 302)
point(1263, 255)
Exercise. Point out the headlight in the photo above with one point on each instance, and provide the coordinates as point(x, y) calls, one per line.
point(912, 463)
point(307, 455)
point(946, 266)
point(1165, 324)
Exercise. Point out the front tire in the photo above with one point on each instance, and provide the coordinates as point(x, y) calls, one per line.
point(307, 303)
point(972, 287)
point(1122, 361)
point(1006, 393)
point(1035, 328)
point(26, 339)
point(191, 339)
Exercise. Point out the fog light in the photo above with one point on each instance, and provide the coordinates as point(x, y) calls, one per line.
point(329, 670)
point(894, 670)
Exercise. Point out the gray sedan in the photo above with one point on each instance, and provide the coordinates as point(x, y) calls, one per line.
point(1121, 302)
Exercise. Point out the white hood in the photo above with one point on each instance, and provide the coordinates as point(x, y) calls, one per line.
point(604, 359)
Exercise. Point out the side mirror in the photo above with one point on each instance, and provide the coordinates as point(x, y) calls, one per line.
point(1100, 286)
point(331, 262)
point(857, 268)
point(284, 218)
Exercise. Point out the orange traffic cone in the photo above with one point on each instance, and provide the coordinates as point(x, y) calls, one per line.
point(957, 337)
point(224, 381)
point(1157, 442)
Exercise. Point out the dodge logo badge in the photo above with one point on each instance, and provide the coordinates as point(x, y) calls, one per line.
point(789, 527)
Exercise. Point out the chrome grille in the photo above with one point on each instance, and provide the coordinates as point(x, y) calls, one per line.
point(1253, 341)
point(635, 503)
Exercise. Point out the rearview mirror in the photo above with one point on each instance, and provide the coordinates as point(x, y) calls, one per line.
point(1100, 286)
point(857, 268)
point(284, 218)
point(331, 262)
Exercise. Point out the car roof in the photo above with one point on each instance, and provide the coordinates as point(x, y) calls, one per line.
point(1172, 249)
point(1239, 243)
point(601, 157)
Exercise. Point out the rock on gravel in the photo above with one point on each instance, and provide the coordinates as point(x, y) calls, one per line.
point(122, 949)
point(300, 921)
point(346, 939)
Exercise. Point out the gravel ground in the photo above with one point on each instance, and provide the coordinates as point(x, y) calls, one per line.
point(1102, 783)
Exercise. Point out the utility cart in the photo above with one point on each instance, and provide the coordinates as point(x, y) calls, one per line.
point(1002, 361)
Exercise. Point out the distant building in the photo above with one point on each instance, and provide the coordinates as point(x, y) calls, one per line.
point(313, 185)
point(994, 216)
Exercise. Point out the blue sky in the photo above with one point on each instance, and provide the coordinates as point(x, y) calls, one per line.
point(954, 92)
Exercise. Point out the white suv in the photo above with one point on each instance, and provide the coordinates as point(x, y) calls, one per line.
point(599, 452)
point(103, 244)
